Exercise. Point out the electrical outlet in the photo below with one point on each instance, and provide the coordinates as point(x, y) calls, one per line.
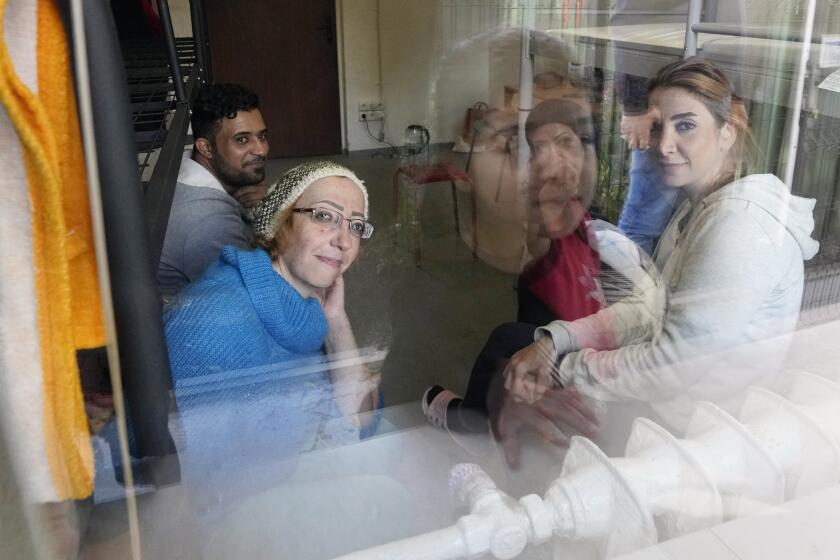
point(577, 72)
point(368, 116)
point(371, 106)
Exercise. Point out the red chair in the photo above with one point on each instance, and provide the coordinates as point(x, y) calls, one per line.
point(422, 175)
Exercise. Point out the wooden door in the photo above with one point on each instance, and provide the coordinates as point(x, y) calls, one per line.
point(285, 50)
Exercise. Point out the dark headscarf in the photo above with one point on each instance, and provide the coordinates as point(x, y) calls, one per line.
point(564, 111)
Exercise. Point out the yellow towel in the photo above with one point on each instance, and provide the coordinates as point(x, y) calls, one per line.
point(68, 307)
point(55, 92)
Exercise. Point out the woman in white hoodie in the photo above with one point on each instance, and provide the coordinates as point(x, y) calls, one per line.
point(731, 261)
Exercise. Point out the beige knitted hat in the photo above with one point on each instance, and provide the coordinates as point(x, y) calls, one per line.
point(288, 189)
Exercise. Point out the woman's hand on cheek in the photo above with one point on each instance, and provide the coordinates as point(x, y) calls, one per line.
point(332, 301)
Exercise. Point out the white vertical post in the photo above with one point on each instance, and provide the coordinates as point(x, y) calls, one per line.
point(526, 90)
point(797, 93)
point(695, 7)
point(86, 125)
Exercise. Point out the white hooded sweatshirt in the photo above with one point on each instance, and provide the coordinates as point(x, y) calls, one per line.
point(732, 269)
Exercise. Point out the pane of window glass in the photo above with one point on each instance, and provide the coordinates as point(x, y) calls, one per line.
point(441, 279)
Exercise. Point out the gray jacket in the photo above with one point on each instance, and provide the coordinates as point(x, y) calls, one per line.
point(204, 218)
point(732, 268)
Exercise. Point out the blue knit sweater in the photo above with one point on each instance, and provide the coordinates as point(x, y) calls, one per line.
point(239, 315)
point(251, 382)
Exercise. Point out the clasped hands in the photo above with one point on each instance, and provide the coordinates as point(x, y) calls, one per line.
point(530, 400)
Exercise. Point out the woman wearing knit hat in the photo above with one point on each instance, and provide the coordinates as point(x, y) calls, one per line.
point(247, 341)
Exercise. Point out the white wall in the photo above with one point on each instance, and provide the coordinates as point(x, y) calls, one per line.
point(392, 52)
point(407, 35)
point(359, 63)
point(437, 62)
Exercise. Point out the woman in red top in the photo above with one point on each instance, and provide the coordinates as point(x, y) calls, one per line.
point(566, 277)
point(561, 279)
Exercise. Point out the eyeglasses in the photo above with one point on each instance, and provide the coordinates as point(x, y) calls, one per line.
point(332, 219)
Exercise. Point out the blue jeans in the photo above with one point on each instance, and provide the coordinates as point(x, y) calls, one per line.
point(649, 204)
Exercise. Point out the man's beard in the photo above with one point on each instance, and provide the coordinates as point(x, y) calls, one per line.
point(237, 178)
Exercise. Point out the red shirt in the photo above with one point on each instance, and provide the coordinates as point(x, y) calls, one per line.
point(566, 278)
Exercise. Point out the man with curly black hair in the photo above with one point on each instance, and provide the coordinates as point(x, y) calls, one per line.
point(217, 184)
